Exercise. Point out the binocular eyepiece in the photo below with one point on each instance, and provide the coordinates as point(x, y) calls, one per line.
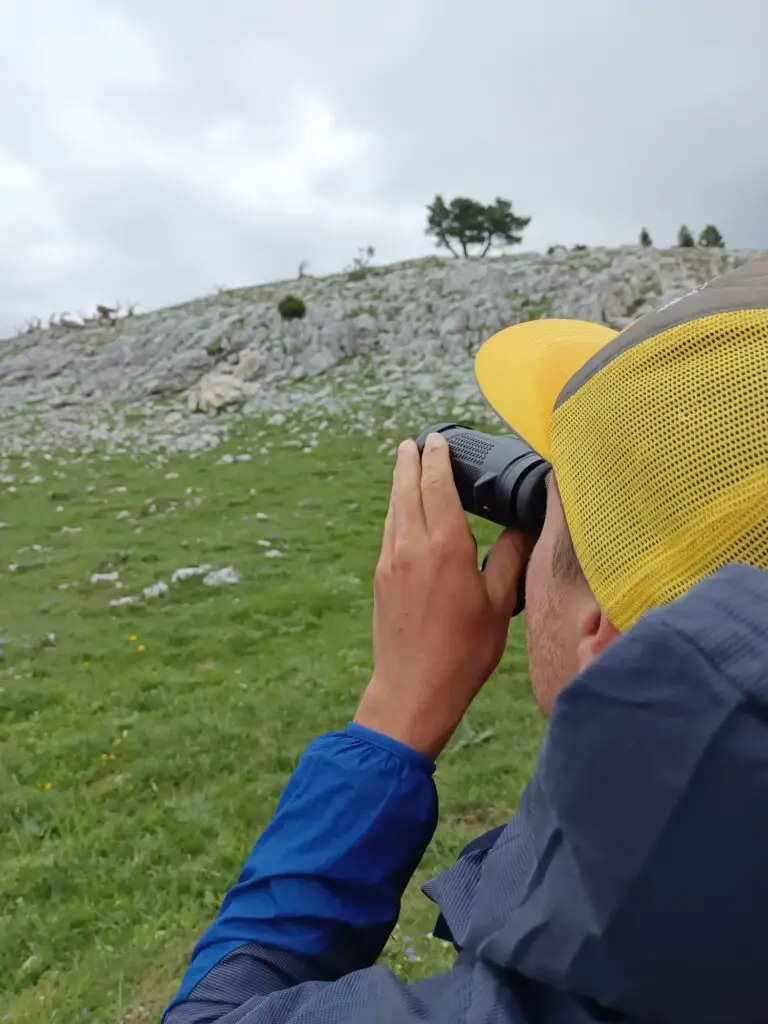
point(500, 479)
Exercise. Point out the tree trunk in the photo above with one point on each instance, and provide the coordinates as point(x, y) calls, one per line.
point(487, 246)
point(449, 247)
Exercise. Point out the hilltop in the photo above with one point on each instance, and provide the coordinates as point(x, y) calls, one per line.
point(396, 338)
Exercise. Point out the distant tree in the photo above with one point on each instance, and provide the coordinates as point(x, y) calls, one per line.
point(291, 307)
point(710, 238)
point(467, 225)
point(685, 238)
point(645, 239)
point(579, 248)
point(462, 222)
point(504, 227)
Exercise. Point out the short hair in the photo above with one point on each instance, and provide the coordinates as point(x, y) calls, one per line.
point(565, 561)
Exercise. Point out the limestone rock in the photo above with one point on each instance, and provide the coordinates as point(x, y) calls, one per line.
point(401, 341)
point(222, 577)
point(215, 391)
point(250, 365)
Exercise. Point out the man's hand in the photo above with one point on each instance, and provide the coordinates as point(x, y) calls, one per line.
point(439, 623)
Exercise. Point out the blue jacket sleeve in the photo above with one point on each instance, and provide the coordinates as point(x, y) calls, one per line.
point(321, 890)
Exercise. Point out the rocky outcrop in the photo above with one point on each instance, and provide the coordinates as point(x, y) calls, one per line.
point(404, 335)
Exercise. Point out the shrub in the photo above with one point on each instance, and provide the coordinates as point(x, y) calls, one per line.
point(645, 239)
point(291, 307)
point(358, 271)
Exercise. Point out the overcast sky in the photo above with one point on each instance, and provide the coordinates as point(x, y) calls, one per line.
point(151, 150)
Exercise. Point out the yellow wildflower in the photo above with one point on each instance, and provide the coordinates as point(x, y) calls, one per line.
point(141, 648)
point(48, 787)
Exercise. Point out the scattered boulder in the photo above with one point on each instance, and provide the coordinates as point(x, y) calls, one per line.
point(250, 365)
point(222, 577)
point(214, 392)
point(189, 572)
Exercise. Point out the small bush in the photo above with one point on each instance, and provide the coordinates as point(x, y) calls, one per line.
point(361, 264)
point(537, 310)
point(291, 307)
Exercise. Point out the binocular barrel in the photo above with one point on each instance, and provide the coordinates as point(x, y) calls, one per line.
point(500, 479)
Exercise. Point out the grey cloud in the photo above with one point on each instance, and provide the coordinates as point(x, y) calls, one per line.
point(154, 148)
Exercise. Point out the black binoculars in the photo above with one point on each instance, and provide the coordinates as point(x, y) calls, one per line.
point(500, 479)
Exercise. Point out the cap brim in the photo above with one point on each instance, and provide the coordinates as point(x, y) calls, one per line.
point(522, 370)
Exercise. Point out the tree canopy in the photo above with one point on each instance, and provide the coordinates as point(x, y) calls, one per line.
point(710, 238)
point(685, 238)
point(465, 226)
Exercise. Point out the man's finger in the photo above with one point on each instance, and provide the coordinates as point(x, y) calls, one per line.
point(407, 507)
point(388, 538)
point(442, 505)
point(504, 566)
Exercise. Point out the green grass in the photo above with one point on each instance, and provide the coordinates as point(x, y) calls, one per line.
point(633, 307)
point(537, 310)
point(142, 750)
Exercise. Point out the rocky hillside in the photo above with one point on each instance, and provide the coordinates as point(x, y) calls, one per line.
point(397, 338)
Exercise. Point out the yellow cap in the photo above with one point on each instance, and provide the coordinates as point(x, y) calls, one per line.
point(658, 435)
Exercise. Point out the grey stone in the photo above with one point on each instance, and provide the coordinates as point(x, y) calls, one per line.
point(222, 577)
point(189, 572)
point(159, 589)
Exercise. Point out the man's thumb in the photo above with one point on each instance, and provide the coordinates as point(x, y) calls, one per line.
point(503, 568)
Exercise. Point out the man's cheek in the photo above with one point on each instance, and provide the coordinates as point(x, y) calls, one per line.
point(533, 574)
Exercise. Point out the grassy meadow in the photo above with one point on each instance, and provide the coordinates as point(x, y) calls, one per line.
point(143, 748)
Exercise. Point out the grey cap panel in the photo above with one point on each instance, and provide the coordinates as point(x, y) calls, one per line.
point(746, 287)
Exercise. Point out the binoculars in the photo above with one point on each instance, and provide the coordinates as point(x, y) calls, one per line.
point(500, 479)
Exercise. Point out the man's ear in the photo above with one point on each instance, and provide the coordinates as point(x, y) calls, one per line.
point(595, 632)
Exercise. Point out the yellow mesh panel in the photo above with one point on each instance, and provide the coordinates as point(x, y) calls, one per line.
point(662, 462)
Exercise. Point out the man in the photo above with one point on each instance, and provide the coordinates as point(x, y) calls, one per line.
point(631, 883)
